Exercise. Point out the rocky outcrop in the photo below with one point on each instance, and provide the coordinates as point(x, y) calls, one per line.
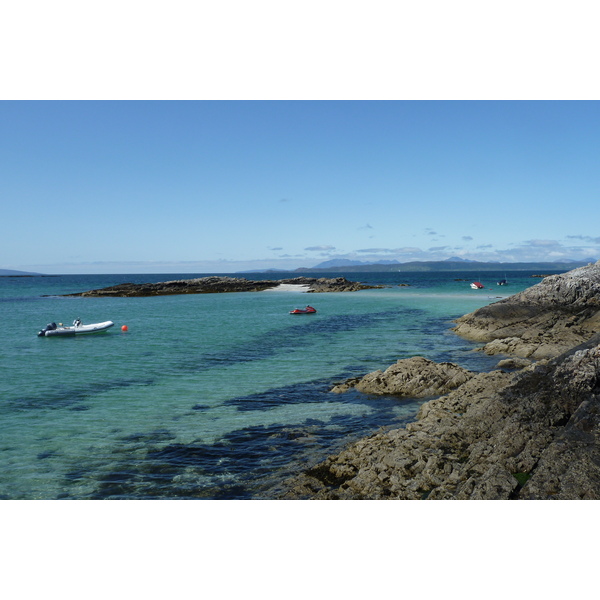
point(512, 364)
point(215, 284)
point(324, 284)
point(415, 377)
point(532, 434)
point(541, 322)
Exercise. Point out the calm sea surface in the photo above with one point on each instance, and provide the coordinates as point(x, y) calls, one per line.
point(215, 396)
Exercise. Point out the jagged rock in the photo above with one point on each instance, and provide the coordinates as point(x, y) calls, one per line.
point(531, 434)
point(543, 321)
point(324, 284)
point(415, 377)
point(527, 434)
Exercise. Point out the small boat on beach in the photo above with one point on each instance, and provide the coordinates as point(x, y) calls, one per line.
point(309, 310)
point(78, 328)
point(477, 285)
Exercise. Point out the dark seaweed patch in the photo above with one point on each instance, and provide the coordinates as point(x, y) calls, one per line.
point(290, 338)
point(244, 464)
point(62, 397)
point(227, 469)
point(317, 391)
point(309, 392)
point(153, 437)
point(116, 484)
point(46, 454)
point(76, 475)
point(298, 336)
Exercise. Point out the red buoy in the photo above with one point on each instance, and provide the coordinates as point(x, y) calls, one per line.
point(124, 328)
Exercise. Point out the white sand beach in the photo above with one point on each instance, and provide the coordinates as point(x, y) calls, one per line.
point(288, 287)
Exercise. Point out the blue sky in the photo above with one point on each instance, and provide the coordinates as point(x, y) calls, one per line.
point(222, 186)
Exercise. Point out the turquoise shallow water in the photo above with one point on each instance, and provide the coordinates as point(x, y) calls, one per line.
point(212, 395)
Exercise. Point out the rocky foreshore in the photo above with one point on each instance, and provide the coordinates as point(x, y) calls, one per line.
point(218, 284)
point(541, 322)
point(529, 433)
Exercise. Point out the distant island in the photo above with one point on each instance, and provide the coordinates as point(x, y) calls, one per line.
point(218, 285)
point(11, 273)
point(456, 264)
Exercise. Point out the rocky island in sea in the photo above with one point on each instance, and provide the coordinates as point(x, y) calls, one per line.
point(218, 284)
point(530, 429)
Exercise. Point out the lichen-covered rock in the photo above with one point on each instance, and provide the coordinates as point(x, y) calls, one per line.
point(543, 321)
point(513, 363)
point(527, 434)
point(415, 377)
point(532, 434)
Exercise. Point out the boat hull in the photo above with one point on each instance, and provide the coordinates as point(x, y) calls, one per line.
point(81, 330)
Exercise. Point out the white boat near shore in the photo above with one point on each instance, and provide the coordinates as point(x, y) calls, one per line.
point(78, 328)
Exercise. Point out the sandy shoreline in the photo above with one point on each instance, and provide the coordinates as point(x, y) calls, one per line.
point(289, 287)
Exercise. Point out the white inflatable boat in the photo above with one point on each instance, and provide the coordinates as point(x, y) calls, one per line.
point(78, 328)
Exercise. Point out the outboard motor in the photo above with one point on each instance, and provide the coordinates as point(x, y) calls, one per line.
point(49, 327)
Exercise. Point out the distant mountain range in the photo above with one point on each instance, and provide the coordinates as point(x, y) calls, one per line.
point(451, 264)
point(344, 262)
point(11, 273)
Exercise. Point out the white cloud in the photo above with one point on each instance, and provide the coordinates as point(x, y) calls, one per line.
point(585, 238)
point(320, 248)
point(406, 250)
point(376, 250)
point(533, 250)
point(541, 243)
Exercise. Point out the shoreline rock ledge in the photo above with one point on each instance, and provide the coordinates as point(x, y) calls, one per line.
point(217, 284)
point(415, 377)
point(520, 435)
point(544, 320)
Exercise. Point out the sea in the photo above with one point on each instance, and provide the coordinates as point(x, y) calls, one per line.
point(211, 396)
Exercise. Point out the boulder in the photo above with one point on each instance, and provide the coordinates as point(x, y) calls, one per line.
point(415, 377)
point(513, 363)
